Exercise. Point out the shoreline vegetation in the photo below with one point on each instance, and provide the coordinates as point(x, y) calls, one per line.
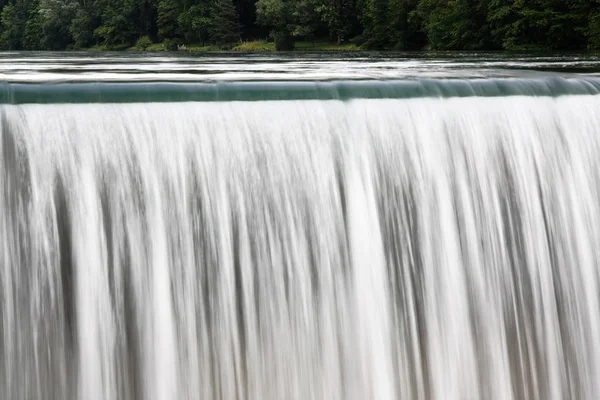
point(304, 25)
point(254, 46)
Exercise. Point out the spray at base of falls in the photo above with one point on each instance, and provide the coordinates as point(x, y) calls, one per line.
point(366, 249)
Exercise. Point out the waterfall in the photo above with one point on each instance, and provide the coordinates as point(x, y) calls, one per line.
point(418, 247)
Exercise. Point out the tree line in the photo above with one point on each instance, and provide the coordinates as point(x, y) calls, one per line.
point(372, 24)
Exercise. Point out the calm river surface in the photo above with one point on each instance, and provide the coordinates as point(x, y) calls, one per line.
point(132, 66)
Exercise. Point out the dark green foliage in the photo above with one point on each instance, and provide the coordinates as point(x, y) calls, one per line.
point(284, 41)
point(170, 44)
point(167, 21)
point(306, 20)
point(378, 29)
point(404, 33)
point(593, 30)
point(393, 24)
point(11, 31)
point(340, 18)
point(455, 25)
point(542, 24)
point(32, 40)
point(123, 22)
point(57, 16)
point(13, 20)
point(289, 20)
point(224, 26)
point(82, 28)
point(277, 16)
point(247, 17)
point(143, 43)
point(373, 24)
point(194, 23)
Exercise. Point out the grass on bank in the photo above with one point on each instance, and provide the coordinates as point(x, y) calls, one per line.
point(188, 47)
point(253, 46)
point(108, 48)
point(261, 45)
point(325, 46)
point(256, 45)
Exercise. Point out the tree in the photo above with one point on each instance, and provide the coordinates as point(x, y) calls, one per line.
point(593, 32)
point(167, 21)
point(194, 23)
point(501, 16)
point(291, 19)
point(540, 24)
point(376, 22)
point(57, 16)
point(82, 28)
point(306, 19)
point(13, 20)
point(404, 33)
point(247, 12)
point(277, 15)
point(124, 21)
point(460, 24)
point(224, 24)
point(435, 17)
point(10, 38)
point(32, 38)
point(339, 16)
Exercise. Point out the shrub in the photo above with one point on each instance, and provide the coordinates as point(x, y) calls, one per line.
point(170, 44)
point(143, 43)
point(283, 41)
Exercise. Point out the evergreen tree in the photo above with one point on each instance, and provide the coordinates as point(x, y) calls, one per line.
point(224, 24)
point(32, 38)
point(167, 21)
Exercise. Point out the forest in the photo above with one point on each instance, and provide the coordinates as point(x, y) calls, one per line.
point(520, 25)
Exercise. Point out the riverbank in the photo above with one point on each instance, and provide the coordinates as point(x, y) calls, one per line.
point(253, 46)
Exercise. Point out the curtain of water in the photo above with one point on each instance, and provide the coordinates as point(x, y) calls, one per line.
point(368, 249)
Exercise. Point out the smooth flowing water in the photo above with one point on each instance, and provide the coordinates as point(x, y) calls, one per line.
point(408, 238)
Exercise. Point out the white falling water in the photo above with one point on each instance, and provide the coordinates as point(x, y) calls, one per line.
point(368, 249)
